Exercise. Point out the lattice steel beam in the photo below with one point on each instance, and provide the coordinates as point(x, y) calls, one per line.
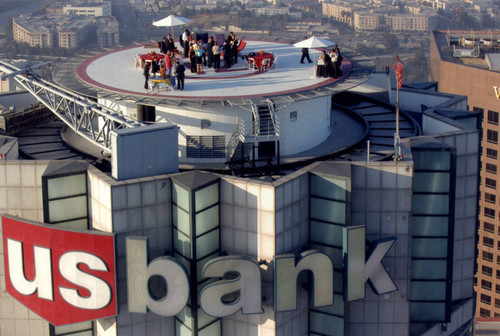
point(86, 117)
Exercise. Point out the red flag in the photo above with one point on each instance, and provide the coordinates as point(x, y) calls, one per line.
point(398, 69)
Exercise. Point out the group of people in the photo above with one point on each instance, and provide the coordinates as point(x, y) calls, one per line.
point(171, 64)
point(332, 61)
point(208, 53)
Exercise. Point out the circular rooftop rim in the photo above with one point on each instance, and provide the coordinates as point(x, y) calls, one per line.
point(115, 71)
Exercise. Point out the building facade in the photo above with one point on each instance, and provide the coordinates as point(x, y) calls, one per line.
point(455, 76)
point(396, 240)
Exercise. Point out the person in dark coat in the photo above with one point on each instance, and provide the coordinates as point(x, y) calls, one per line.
point(234, 48)
point(179, 74)
point(146, 75)
point(227, 54)
point(210, 52)
point(305, 53)
point(170, 43)
point(164, 45)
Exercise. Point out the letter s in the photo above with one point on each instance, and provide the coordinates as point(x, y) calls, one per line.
point(100, 292)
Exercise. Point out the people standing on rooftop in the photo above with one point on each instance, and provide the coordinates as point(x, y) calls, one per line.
point(305, 53)
point(192, 58)
point(210, 52)
point(146, 75)
point(216, 52)
point(179, 73)
point(168, 62)
point(185, 41)
point(227, 54)
point(164, 45)
point(170, 43)
point(234, 47)
point(199, 58)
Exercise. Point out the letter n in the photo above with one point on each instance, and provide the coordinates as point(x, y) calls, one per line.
point(286, 271)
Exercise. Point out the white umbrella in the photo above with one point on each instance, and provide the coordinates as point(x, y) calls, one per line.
point(314, 42)
point(171, 21)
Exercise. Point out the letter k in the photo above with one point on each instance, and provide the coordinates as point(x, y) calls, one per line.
point(375, 272)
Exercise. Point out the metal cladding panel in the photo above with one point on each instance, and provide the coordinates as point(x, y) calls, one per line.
point(144, 151)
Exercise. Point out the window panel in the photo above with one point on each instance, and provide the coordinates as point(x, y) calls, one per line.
point(182, 244)
point(430, 226)
point(328, 211)
point(485, 299)
point(428, 269)
point(492, 136)
point(325, 233)
point(491, 183)
point(207, 220)
point(491, 153)
point(206, 197)
point(68, 208)
point(486, 270)
point(429, 248)
point(330, 188)
point(428, 160)
point(207, 244)
point(492, 117)
point(431, 204)
point(180, 196)
point(180, 219)
point(428, 290)
point(491, 168)
point(431, 182)
point(67, 186)
point(488, 241)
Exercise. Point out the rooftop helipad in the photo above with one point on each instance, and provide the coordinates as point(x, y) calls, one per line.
point(115, 71)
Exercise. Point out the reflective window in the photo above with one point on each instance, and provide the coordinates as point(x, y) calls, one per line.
point(492, 117)
point(492, 136)
point(491, 183)
point(485, 299)
point(490, 198)
point(491, 153)
point(486, 270)
point(485, 284)
point(488, 242)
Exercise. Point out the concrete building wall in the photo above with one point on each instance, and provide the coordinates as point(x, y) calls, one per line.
point(21, 196)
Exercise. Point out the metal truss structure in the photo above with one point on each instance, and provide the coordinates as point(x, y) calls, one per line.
point(91, 120)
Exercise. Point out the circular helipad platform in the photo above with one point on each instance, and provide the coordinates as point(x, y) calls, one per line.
point(116, 71)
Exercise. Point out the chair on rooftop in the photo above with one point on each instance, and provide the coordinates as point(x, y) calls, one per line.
point(251, 63)
point(275, 62)
point(266, 64)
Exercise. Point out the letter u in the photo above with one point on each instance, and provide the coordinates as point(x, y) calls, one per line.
point(42, 282)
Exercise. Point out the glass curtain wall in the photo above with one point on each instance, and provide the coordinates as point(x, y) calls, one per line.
point(432, 234)
point(196, 239)
point(65, 192)
point(329, 215)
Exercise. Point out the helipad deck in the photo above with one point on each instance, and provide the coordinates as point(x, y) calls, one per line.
point(116, 71)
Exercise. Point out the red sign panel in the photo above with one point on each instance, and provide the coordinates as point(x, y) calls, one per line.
point(64, 276)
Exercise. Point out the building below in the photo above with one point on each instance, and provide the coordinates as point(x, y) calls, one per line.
point(65, 31)
point(459, 63)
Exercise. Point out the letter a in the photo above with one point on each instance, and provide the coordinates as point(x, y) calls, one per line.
point(42, 281)
point(247, 283)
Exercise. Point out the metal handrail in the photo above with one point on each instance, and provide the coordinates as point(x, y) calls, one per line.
point(255, 128)
point(274, 117)
point(237, 137)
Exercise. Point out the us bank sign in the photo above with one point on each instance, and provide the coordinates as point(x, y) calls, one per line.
point(68, 276)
